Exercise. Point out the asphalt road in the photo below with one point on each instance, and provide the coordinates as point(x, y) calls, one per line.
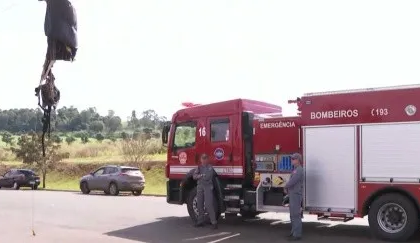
point(72, 217)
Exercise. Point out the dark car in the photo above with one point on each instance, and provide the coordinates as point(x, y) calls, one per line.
point(113, 179)
point(17, 178)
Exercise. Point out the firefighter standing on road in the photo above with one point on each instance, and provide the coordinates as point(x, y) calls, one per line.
point(204, 175)
point(294, 187)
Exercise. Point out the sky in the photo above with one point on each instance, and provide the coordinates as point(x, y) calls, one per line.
point(137, 54)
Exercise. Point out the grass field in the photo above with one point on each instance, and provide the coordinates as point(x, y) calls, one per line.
point(155, 182)
point(83, 158)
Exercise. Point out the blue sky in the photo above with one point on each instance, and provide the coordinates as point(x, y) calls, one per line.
point(136, 54)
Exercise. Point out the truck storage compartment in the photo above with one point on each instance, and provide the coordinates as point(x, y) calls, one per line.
point(389, 152)
point(273, 197)
point(330, 168)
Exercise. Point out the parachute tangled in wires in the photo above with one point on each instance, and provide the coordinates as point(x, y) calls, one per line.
point(60, 27)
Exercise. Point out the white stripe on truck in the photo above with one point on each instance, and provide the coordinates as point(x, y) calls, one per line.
point(221, 170)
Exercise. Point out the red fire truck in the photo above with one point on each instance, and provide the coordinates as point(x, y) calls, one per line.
point(360, 150)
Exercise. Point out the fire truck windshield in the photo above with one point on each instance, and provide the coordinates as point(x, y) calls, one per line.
point(184, 135)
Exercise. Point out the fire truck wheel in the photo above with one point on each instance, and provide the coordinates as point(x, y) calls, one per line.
point(192, 206)
point(393, 217)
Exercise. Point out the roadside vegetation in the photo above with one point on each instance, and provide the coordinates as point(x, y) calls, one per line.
point(80, 143)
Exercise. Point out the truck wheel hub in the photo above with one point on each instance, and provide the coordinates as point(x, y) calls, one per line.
point(392, 218)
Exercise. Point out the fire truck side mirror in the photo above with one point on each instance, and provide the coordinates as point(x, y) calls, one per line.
point(165, 133)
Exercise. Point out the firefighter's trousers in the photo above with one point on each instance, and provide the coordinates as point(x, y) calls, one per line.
point(205, 197)
point(295, 204)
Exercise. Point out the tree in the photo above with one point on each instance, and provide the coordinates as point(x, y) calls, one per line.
point(114, 123)
point(7, 138)
point(29, 150)
point(97, 126)
point(70, 140)
point(148, 119)
point(135, 150)
point(71, 119)
point(99, 137)
point(124, 135)
point(134, 122)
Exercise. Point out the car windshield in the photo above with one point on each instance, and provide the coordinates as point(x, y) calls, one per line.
point(28, 172)
point(131, 171)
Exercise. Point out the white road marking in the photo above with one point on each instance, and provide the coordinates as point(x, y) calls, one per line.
point(224, 238)
point(208, 236)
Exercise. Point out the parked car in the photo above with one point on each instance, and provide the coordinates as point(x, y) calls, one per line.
point(114, 179)
point(17, 178)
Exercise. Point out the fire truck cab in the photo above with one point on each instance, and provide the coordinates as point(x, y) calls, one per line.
point(360, 150)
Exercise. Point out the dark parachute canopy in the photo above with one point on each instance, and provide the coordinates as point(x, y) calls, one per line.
point(60, 27)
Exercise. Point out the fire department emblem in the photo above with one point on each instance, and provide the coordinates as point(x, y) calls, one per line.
point(410, 110)
point(219, 153)
point(182, 158)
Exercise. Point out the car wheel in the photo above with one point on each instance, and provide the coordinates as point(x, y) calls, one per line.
point(393, 217)
point(84, 188)
point(113, 189)
point(35, 188)
point(16, 186)
point(137, 193)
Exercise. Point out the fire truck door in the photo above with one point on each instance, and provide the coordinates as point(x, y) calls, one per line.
point(220, 145)
point(184, 147)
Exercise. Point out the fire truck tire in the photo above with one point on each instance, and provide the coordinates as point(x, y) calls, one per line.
point(192, 206)
point(393, 217)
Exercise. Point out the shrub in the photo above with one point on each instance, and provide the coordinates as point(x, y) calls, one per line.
point(56, 139)
point(85, 139)
point(6, 155)
point(70, 140)
point(99, 137)
point(135, 150)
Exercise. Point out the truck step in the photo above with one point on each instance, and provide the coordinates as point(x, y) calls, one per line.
point(233, 210)
point(335, 219)
point(231, 197)
point(233, 186)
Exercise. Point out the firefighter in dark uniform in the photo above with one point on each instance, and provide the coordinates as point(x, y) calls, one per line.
point(294, 187)
point(204, 175)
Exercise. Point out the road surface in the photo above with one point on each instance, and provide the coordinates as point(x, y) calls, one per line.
point(67, 217)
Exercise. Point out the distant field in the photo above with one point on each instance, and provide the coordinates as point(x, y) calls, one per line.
point(92, 154)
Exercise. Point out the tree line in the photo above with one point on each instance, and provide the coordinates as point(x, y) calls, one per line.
point(70, 119)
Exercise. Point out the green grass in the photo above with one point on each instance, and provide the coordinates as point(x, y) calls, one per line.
point(155, 181)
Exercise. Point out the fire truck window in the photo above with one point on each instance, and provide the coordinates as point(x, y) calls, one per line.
point(220, 132)
point(185, 136)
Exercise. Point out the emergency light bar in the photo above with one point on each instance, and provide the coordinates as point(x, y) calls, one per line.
point(267, 115)
point(189, 104)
